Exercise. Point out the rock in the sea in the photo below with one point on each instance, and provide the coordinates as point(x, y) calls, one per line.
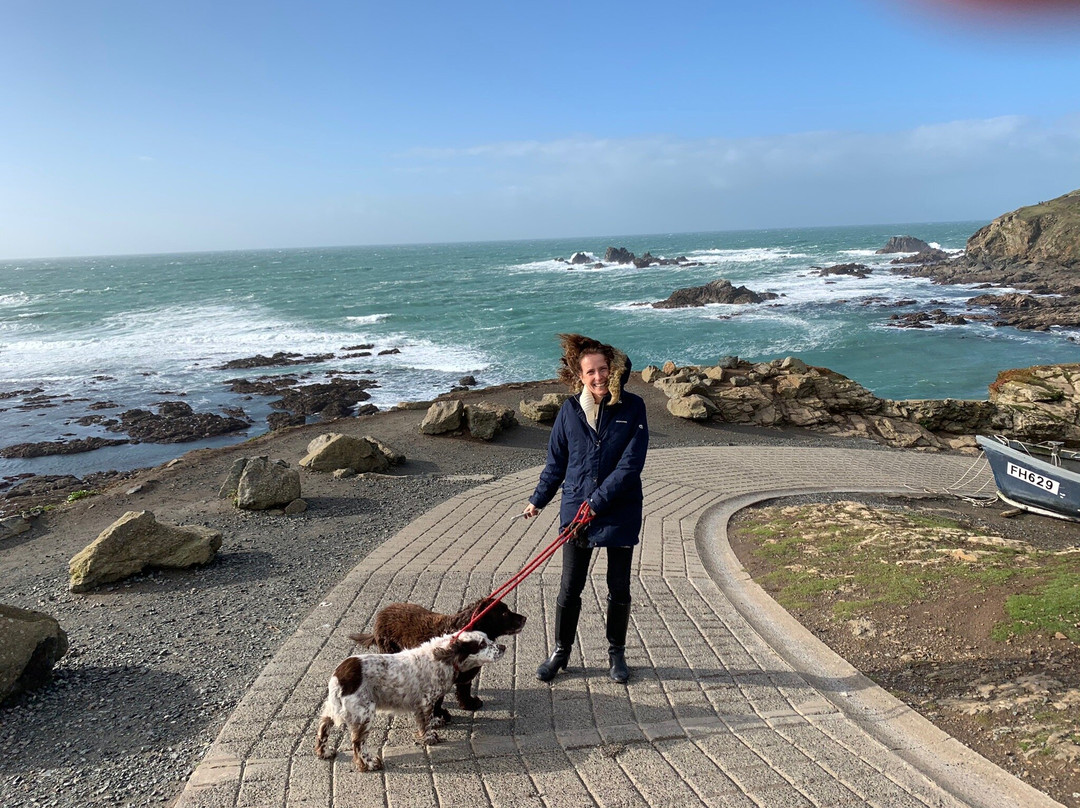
point(852, 270)
point(618, 255)
point(175, 422)
point(30, 644)
point(580, 258)
point(905, 244)
point(718, 291)
point(58, 447)
point(334, 451)
point(136, 541)
point(264, 483)
point(443, 416)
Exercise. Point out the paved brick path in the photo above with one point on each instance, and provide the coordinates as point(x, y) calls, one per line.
point(730, 703)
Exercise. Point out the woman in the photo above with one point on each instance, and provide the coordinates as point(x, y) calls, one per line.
point(596, 453)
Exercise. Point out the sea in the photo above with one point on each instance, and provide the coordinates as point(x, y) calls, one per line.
point(136, 330)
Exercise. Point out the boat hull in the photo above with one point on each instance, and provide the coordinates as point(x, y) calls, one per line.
point(1031, 483)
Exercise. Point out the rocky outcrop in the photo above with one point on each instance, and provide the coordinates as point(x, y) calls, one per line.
point(926, 319)
point(930, 256)
point(279, 359)
point(618, 255)
point(1031, 312)
point(175, 422)
point(718, 291)
point(1041, 403)
point(851, 270)
point(334, 451)
point(59, 447)
point(481, 420)
point(580, 258)
point(259, 483)
point(136, 541)
point(903, 244)
point(30, 644)
point(1046, 233)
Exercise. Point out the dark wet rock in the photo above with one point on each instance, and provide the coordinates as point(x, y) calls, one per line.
point(926, 319)
point(645, 260)
point(103, 405)
point(279, 359)
point(313, 399)
point(95, 420)
point(580, 258)
point(930, 256)
point(263, 386)
point(58, 447)
point(718, 291)
point(175, 422)
point(1030, 312)
point(365, 346)
point(17, 393)
point(618, 255)
point(390, 351)
point(905, 244)
point(467, 381)
point(853, 270)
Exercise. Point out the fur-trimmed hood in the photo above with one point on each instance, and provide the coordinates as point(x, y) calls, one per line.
point(619, 366)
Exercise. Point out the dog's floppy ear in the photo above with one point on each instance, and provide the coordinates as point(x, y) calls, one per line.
point(463, 649)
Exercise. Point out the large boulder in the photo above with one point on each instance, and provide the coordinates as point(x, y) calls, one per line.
point(543, 410)
point(334, 451)
point(136, 541)
point(692, 407)
point(13, 526)
point(618, 255)
point(264, 483)
point(443, 416)
point(30, 644)
point(485, 420)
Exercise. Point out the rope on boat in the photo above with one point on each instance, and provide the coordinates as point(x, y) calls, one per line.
point(971, 473)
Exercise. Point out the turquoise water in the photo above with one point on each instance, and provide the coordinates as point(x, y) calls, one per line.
point(137, 330)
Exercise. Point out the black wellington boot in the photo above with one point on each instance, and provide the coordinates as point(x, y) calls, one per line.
point(618, 617)
point(566, 620)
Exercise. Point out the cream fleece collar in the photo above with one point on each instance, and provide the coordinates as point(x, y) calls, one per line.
point(590, 407)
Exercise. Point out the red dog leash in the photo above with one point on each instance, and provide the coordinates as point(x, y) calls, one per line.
point(583, 517)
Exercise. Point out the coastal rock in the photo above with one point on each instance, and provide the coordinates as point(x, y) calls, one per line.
point(392, 455)
point(266, 483)
point(334, 451)
point(443, 416)
point(543, 410)
point(30, 644)
point(334, 398)
point(903, 244)
point(11, 526)
point(58, 447)
point(694, 407)
point(852, 270)
point(175, 422)
point(279, 359)
point(283, 420)
point(1048, 232)
point(136, 541)
point(718, 291)
point(618, 255)
point(1031, 312)
point(645, 260)
point(925, 319)
point(580, 258)
point(1039, 403)
point(930, 256)
point(485, 421)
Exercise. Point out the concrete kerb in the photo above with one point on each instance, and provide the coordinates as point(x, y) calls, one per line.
point(958, 770)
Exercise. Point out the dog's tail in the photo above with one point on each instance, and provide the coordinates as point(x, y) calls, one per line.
point(363, 640)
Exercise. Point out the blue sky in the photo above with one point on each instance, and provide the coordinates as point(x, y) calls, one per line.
point(136, 127)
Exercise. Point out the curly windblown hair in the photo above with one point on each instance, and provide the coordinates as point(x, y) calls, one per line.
point(576, 346)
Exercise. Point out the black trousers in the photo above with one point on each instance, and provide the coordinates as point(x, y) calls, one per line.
point(575, 572)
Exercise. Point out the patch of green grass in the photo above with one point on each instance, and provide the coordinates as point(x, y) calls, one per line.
point(82, 493)
point(1054, 607)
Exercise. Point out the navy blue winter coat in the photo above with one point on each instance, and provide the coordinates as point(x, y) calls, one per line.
point(603, 467)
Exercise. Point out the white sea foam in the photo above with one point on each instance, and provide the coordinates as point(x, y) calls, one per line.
point(368, 319)
point(15, 299)
point(753, 255)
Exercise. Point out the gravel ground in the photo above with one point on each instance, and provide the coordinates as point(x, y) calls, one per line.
point(159, 661)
